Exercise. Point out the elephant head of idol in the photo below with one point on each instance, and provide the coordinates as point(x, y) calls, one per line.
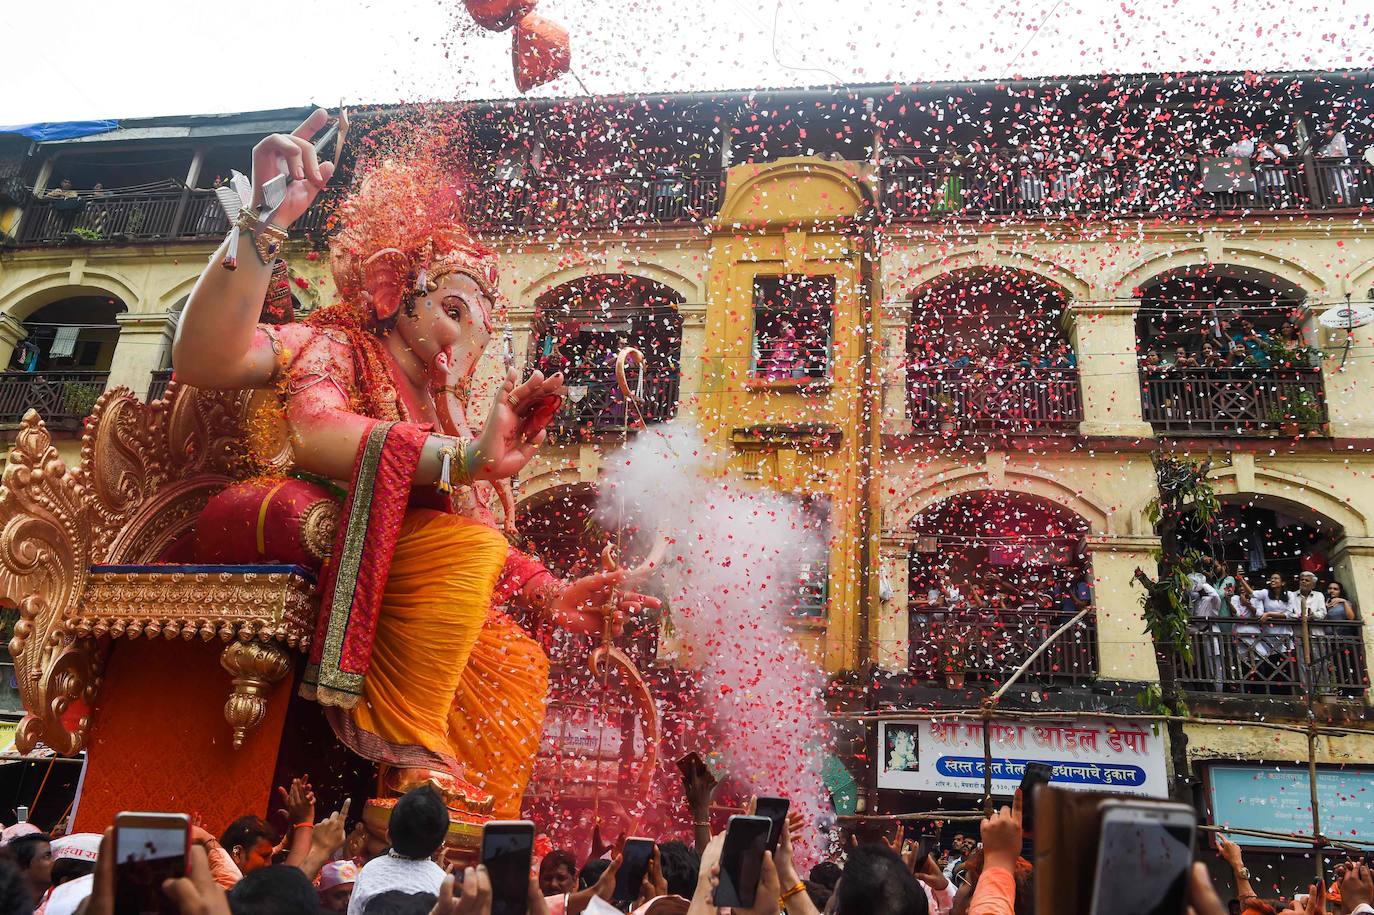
point(408, 265)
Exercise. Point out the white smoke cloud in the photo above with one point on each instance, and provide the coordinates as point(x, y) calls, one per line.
point(731, 575)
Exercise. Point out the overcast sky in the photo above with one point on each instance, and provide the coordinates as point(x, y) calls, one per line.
point(74, 59)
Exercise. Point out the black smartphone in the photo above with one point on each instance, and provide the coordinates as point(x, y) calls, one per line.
point(691, 764)
point(1035, 775)
point(926, 845)
point(741, 861)
point(634, 866)
point(149, 848)
point(775, 808)
point(1143, 857)
point(507, 848)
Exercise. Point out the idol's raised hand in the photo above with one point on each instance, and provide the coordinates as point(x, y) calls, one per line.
point(520, 414)
point(293, 155)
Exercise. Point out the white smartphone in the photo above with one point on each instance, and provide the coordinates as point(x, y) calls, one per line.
point(1143, 858)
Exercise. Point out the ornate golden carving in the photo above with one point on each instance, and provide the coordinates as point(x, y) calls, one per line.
point(247, 606)
point(255, 666)
point(318, 526)
point(146, 471)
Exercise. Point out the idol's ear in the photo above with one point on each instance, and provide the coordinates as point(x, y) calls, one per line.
point(386, 279)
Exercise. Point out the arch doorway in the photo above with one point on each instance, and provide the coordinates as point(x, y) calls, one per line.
point(986, 354)
point(991, 575)
point(61, 367)
point(581, 325)
point(1269, 545)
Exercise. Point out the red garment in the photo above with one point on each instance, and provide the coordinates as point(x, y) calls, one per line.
point(357, 571)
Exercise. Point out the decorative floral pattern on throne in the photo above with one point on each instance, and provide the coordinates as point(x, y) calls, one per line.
point(145, 473)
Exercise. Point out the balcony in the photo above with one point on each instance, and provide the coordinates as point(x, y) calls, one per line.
point(1147, 187)
point(63, 398)
point(596, 407)
point(984, 645)
point(1011, 401)
point(570, 202)
point(145, 216)
point(1235, 401)
point(1249, 659)
point(157, 384)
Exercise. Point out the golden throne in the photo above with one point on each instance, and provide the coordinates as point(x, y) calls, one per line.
point(92, 555)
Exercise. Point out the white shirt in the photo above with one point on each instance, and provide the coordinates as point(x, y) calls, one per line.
point(1206, 600)
point(1336, 149)
point(1316, 605)
point(392, 872)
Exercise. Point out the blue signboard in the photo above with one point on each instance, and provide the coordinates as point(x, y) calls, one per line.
point(1279, 799)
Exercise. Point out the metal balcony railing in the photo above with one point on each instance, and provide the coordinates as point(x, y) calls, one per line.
point(986, 644)
point(1157, 185)
point(157, 385)
point(574, 202)
point(1234, 401)
point(1239, 656)
point(63, 399)
point(1006, 401)
point(160, 215)
point(595, 406)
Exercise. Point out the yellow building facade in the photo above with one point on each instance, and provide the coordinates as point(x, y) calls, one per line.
point(853, 437)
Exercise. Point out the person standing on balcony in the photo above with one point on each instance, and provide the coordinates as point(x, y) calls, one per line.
point(1340, 176)
point(1337, 606)
point(1184, 360)
point(1204, 606)
point(1269, 158)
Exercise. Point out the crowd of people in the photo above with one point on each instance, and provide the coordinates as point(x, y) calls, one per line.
point(1249, 169)
point(1248, 633)
point(322, 868)
point(1243, 346)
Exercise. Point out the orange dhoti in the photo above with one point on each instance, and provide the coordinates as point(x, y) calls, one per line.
point(498, 714)
point(438, 591)
point(450, 684)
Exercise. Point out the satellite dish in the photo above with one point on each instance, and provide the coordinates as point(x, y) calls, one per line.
point(1346, 316)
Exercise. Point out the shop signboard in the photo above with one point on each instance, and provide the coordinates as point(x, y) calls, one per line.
point(945, 755)
point(1278, 798)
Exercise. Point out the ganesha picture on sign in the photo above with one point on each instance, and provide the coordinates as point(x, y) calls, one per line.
point(901, 749)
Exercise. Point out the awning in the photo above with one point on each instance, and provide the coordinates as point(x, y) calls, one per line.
point(60, 130)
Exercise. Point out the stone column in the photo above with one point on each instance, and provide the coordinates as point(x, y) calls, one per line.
point(145, 344)
point(690, 357)
point(1124, 648)
point(1103, 338)
point(892, 369)
point(11, 332)
point(1347, 379)
point(894, 633)
point(1353, 562)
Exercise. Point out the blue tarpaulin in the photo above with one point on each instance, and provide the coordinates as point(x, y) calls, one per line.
point(60, 130)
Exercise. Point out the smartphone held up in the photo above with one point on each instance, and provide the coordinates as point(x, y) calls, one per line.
point(507, 851)
point(150, 848)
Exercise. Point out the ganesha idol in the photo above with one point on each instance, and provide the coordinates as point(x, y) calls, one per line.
point(416, 668)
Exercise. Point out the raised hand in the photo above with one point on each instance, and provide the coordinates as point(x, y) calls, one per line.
point(292, 154)
point(513, 433)
point(299, 801)
point(1002, 835)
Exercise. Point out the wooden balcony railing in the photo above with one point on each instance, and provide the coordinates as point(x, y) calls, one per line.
point(1015, 400)
point(573, 202)
point(1151, 186)
point(157, 385)
point(595, 406)
point(1236, 656)
point(1235, 401)
point(986, 645)
point(161, 215)
point(63, 399)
